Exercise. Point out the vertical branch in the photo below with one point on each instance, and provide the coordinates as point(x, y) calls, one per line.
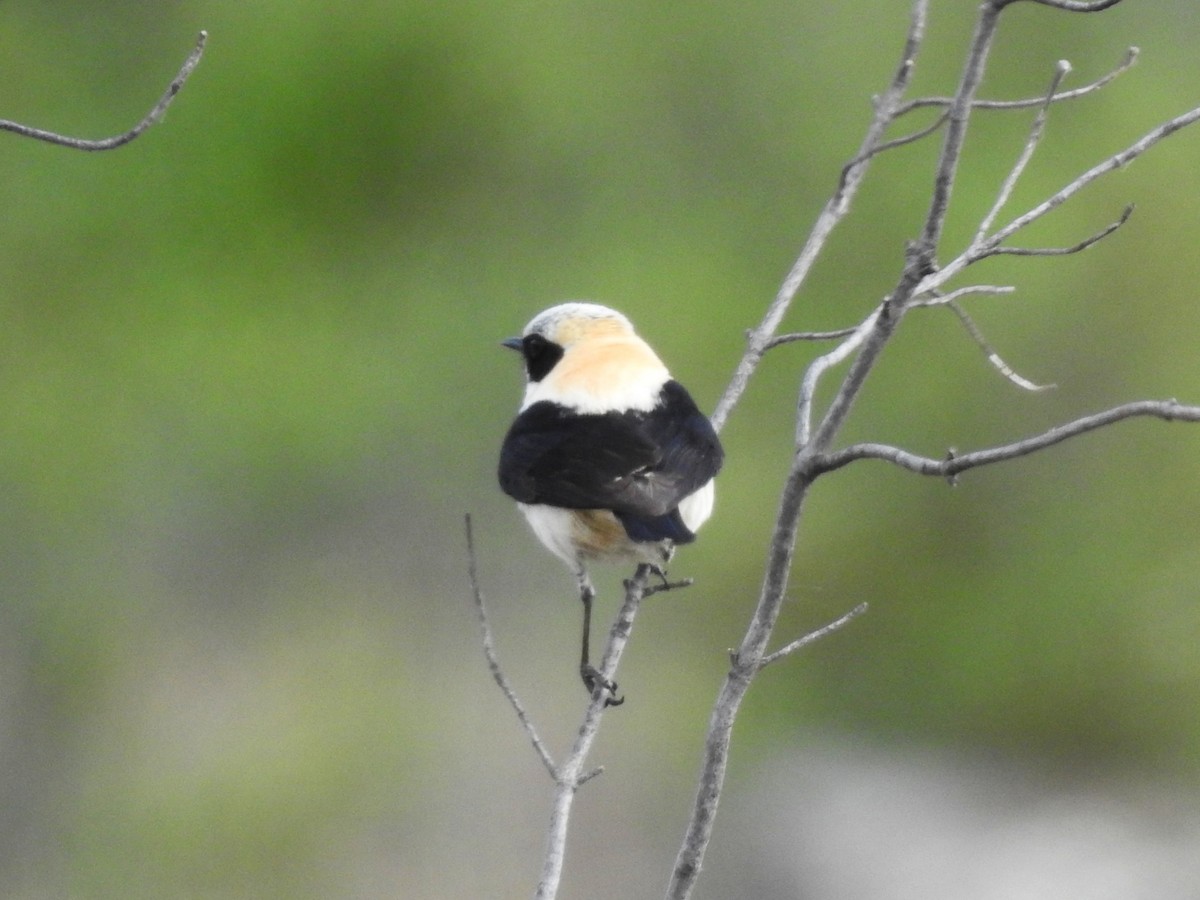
point(745, 663)
point(869, 339)
point(956, 130)
point(570, 774)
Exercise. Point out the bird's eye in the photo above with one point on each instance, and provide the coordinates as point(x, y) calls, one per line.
point(540, 355)
point(534, 346)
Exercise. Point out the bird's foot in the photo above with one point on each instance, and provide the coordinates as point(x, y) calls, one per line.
point(593, 681)
point(667, 585)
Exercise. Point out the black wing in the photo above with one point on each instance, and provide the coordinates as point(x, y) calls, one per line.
point(639, 465)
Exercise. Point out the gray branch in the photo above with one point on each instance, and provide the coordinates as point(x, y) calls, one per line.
point(1125, 65)
point(119, 140)
point(802, 642)
point(571, 774)
point(955, 463)
point(922, 282)
point(808, 336)
point(493, 661)
point(831, 215)
point(921, 279)
point(992, 246)
point(1084, 6)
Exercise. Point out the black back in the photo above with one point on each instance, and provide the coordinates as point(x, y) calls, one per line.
point(637, 464)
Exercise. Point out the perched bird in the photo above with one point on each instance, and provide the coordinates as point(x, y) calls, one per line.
point(609, 459)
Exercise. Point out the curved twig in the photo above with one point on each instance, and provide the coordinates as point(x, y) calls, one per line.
point(1063, 251)
point(119, 140)
point(992, 356)
point(489, 651)
point(1036, 130)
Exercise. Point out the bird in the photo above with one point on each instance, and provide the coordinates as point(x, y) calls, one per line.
point(608, 458)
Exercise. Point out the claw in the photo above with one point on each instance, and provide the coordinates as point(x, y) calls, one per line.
point(593, 680)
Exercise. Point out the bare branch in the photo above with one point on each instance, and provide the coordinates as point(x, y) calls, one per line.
point(571, 774)
point(1116, 161)
point(902, 141)
point(834, 211)
point(119, 140)
point(808, 336)
point(954, 463)
point(650, 589)
point(489, 651)
point(950, 298)
point(1131, 56)
point(992, 356)
point(818, 367)
point(920, 280)
point(812, 636)
point(1063, 251)
point(959, 113)
point(1084, 6)
point(1036, 130)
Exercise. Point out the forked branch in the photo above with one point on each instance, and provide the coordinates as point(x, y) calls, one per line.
point(838, 205)
point(923, 282)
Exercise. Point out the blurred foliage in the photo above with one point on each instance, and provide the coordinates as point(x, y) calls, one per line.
point(250, 383)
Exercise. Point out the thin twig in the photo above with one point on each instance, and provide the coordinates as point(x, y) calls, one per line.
point(812, 636)
point(833, 212)
point(991, 246)
point(1036, 130)
point(1083, 6)
point(809, 336)
point(892, 144)
point(992, 356)
point(1063, 251)
point(1125, 65)
point(951, 300)
point(953, 464)
point(119, 140)
point(489, 651)
point(950, 297)
point(818, 367)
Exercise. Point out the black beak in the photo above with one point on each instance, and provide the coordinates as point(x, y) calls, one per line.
point(513, 343)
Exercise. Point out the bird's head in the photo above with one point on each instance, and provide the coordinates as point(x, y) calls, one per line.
point(587, 357)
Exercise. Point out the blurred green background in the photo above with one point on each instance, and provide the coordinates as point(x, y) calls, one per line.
point(251, 384)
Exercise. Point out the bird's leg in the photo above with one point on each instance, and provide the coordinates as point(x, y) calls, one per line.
point(591, 676)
